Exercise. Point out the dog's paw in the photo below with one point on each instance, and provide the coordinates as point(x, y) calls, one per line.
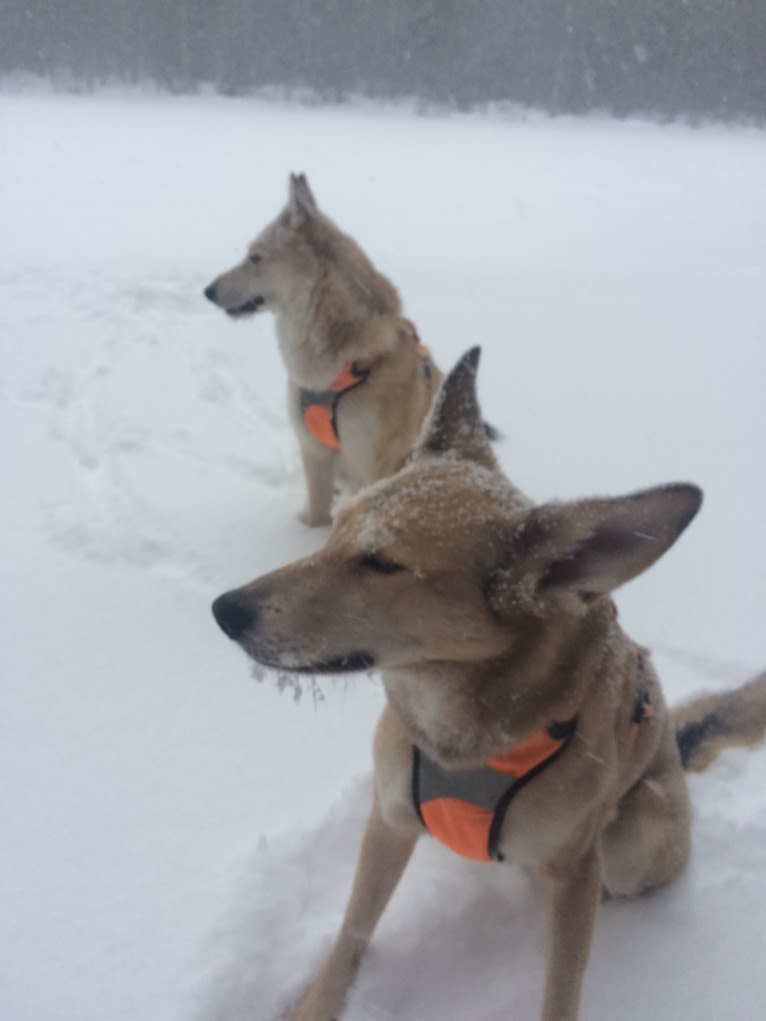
point(314, 520)
point(308, 1012)
point(318, 1003)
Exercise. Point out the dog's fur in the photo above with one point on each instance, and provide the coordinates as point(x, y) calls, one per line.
point(489, 618)
point(332, 307)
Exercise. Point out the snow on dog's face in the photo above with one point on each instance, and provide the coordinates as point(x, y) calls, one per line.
point(447, 562)
point(279, 260)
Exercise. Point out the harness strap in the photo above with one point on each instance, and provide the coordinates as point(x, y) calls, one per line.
point(643, 709)
point(319, 408)
point(465, 808)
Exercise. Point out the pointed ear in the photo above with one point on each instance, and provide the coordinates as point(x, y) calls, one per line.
point(300, 199)
point(455, 427)
point(572, 553)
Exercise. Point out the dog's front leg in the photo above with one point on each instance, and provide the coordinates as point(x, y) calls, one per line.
point(573, 900)
point(319, 470)
point(384, 855)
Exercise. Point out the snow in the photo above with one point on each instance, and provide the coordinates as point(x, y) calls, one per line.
point(178, 840)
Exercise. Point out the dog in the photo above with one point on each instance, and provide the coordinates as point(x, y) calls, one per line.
point(522, 725)
point(359, 382)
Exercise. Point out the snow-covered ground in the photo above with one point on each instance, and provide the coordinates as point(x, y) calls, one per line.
point(177, 840)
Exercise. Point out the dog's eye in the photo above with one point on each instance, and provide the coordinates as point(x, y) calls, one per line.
point(373, 562)
point(255, 258)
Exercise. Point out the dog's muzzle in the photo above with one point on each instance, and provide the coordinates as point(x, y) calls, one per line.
point(239, 621)
point(212, 293)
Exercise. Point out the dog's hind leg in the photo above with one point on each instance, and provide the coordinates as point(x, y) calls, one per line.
point(319, 469)
point(384, 855)
point(649, 842)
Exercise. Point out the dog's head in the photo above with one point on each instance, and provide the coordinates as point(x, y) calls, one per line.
point(446, 561)
point(280, 259)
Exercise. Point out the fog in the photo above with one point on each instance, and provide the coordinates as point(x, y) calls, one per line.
point(693, 59)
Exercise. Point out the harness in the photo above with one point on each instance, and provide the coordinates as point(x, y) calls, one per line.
point(643, 709)
point(319, 408)
point(465, 808)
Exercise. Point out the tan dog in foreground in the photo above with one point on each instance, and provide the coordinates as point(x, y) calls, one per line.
point(491, 622)
point(359, 383)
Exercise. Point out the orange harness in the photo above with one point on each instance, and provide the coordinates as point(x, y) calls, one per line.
point(319, 408)
point(465, 808)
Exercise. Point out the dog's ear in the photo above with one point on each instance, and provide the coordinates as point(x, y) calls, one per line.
point(569, 554)
point(300, 199)
point(455, 427)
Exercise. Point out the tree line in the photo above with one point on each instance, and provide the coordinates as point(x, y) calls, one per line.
point(692, 58)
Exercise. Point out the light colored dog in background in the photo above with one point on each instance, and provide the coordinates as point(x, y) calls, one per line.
point(359, 382)
point(522, 724)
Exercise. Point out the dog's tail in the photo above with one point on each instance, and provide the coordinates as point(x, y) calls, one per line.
point(710, 723)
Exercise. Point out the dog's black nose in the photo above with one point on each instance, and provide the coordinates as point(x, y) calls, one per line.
point(210, 293)
point(233, 617)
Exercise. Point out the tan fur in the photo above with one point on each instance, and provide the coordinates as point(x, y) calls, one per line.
point(489, 619)
point(723, 720)
point(332, 307)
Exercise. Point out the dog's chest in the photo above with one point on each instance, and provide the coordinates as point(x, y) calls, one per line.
point(536, 823)
point(534, 828)
point(466, 809)
point(442, 717)
point(297, 364)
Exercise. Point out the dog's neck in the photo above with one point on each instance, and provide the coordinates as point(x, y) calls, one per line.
point(462, 714)
point(302, 344)
point(322, 327)
point(311, 353)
